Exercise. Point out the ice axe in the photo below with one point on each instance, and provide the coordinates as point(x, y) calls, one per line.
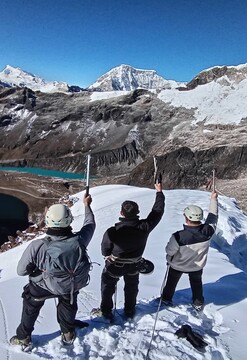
point(157, 177)
point(211, 184)
point(88, 173)
point(213, 181)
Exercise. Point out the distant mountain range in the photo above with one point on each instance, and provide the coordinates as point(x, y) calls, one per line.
point(123, 77)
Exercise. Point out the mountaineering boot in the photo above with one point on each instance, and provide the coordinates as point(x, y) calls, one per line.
point(198, 305)
point(68, 338)
point(167, 302)
point(106, 314)
point(80, 324)
point(129, 313)
point(25, 344)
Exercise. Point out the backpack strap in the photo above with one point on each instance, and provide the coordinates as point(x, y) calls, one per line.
point(46, 240)
point(73, 279)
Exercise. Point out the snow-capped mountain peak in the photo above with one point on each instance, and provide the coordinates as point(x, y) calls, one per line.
point(127, 78)
point(15, 76)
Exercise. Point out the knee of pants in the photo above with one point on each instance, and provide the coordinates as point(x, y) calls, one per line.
point(65, 304)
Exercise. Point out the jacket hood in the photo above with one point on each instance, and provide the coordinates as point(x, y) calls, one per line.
point(60, 233)
point(127, 222)
point(193, 229)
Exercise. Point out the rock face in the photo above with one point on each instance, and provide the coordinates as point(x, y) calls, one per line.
point(221, 73)
point(57, 130)
point(183, 168)
point(124, 130)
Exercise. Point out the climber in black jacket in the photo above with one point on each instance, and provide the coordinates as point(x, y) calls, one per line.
point(123, 246)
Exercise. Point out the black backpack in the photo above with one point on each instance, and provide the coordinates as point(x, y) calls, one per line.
point(66, 267)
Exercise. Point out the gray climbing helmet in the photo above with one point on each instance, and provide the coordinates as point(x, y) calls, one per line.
point(193, 213)
point(58, 216)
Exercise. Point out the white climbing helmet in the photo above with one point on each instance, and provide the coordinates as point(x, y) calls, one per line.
point(193, 213)
point(58, 216)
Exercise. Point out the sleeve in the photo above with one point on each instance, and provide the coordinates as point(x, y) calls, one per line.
point(27, 263)
point(106, 244)
point(212, 217)
point(172, 248)
point(156, 213)
point(87, 231)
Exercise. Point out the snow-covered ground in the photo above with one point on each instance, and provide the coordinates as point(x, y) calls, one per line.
point(215, 103)
point(223, 322)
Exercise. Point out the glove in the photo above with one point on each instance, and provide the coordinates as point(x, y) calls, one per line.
point(194, 338)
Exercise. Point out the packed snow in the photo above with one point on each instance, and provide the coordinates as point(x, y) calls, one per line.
point(222, 323)
point(98, 95)
point(217, 102)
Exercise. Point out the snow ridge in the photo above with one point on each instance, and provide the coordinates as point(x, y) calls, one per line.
point(17, 77)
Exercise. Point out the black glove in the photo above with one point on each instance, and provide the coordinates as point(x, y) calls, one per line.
point(32, 270)
point(194, 338)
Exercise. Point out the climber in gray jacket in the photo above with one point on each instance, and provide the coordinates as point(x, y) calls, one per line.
point(71, 248)
point(187, 252)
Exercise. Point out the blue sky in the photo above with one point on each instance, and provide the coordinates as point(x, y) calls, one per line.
point(77, 41)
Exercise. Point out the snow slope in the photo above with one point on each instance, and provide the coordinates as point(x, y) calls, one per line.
point(223, 322)
point(217, 102)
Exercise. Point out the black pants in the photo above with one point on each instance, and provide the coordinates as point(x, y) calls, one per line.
point(65, 311)
point(195, 279)
point(109, 278)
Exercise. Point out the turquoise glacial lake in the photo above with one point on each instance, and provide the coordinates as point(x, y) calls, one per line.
point(44, 172)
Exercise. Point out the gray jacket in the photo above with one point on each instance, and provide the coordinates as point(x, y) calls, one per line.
point(187, 249)
point(33, 258)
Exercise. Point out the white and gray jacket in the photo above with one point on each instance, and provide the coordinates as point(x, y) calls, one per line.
point(187, 249)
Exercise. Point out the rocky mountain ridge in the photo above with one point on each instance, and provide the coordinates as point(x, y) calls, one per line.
point(223, 74)
point(191, 128)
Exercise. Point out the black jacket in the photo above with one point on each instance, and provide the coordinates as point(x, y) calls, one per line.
point(127, 239)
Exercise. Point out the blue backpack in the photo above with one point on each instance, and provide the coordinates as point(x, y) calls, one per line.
point(66, 267)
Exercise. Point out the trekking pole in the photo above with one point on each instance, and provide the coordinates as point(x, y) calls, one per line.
point(158, 309)
point(115, 301)
point(88, 172)
point(165, 278)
